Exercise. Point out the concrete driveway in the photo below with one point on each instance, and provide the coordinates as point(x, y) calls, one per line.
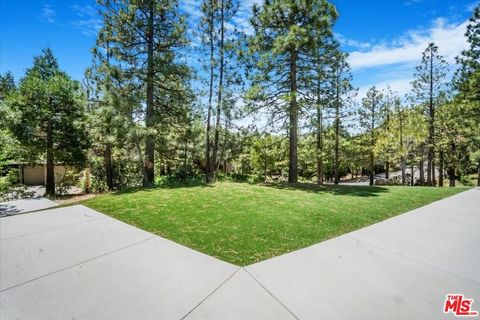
point(75, 263)
point(25, 205)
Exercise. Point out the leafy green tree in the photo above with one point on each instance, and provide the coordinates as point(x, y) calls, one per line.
point(49, 108)
point(268, 154)
point(7, 84)
point(8, 143)
point(285, 32)
point(429, 80)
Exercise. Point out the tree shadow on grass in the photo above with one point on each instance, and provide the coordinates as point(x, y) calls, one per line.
point(357, 191)
point(163, 186)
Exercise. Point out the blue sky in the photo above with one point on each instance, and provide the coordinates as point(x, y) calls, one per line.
point(384, 37)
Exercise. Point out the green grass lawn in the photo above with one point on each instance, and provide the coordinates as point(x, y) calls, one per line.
point(244, 223)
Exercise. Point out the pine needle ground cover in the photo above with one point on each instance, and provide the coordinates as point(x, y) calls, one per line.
point(244, 223)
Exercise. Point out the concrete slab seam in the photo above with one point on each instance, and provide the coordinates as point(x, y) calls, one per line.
point(210, 294)
point(271, 294)
point(56, 228)
point(79, 263)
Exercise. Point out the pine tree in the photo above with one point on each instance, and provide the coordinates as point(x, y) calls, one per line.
point(370, 118)
point(227, 55)
point(467, 82)
point(100, 89)
point(144, 36)
point(400, 113)
point(114, 100)
point(467, 78)
point(208, 37)
point(285, 36)
point(429, 79)
point(343, 95)
point(219, 40)
point(320, 91)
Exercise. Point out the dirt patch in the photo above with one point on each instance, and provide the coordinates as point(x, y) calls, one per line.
point(75, 199)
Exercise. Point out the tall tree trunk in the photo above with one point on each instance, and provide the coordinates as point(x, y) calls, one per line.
point(319, 144)
point(430, 155)
point(451, 176)
point(372, 170)
point(149, 162)
point(451, 168)
point(220, 88)
point(440, 169)
point(412, 173)
point(50, 183)
point(402, 165)
point(434, 180)
point(293, 114)
point(422, 171)
point(429, 166)
point(223, 153)
point(402, 157)
point(387, 169)
point(319, 151)
point(337, 128)
point(185, 151)
point(372, 144)
point(107, 155)
point(265, 164)
point(387, 163)
point(208, 169)
point(140, 154)
point(478, 173)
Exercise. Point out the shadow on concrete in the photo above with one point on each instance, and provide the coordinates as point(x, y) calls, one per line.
point(8, 210)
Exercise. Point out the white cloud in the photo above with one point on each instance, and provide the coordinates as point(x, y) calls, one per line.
point(352, 43)
point(192, 8)
point(400, 86)
point(48, 14)
point(244, 14)
point(394, 63)
point(241, 20)
point(448, 37)
point(89, 21)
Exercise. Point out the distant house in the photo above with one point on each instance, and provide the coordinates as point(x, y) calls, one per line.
point(36, 174)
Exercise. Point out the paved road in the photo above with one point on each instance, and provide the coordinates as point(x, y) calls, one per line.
point(75, 263)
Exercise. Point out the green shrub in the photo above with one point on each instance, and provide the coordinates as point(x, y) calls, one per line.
point(10, 189)
point(466, 180)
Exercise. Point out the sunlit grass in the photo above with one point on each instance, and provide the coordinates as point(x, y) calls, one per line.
point(244, 223)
